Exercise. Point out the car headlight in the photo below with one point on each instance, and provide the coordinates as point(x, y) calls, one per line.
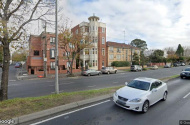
point(135, 100)
point(115, 93)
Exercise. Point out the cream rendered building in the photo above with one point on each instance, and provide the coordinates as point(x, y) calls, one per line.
point(120, 52)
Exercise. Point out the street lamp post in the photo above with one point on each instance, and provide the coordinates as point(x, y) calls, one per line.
point(56, 51)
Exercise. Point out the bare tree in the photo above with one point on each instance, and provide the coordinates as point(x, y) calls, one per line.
point(170, 50)
point(15, 15)
point(73, 44)
point(186, 51)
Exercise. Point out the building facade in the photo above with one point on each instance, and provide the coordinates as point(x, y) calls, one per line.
point(120, 52)
point(94, 57)
point(36, 58)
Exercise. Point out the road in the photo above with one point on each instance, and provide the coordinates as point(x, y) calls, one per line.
point(12, 73)
point(168, 112)
point(32, 88)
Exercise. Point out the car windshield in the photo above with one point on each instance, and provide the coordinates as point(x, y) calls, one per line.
point(188, 69)
point(139, 85)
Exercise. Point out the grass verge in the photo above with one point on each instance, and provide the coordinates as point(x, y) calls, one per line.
point(168, 78)
point(22, 106)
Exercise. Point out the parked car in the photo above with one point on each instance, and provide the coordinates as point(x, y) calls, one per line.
point(108, 70)
point(185, 73)
point(176, 64)
point(154, 67)
point(91, 72)
point(18, 65)
point(140, 94)
point(167, 66)
point(136, 68)
point(182, 64)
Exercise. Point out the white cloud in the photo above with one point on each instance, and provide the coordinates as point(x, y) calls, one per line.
point(161, 23)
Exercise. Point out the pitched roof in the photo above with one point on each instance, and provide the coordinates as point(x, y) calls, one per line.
point(119, 45)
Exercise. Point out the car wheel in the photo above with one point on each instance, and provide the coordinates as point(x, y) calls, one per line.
point(164, 96)
point(145, 107)
point(115, 72)
point(181, 77)
point(108, 73)
point(98, 73)
point(89, 74)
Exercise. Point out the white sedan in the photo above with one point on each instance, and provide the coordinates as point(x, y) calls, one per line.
point(140, 94)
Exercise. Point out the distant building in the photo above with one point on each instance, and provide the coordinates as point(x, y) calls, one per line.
point(95, 57)
point(120, 52)
point(36, 59)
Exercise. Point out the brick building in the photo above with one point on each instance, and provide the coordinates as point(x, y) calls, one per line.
point(35, 58)
point(94, 57)
point(119, 52)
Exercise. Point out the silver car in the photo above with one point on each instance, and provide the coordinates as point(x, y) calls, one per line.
point(108, 70)
point(136, 68)
point(90, 72)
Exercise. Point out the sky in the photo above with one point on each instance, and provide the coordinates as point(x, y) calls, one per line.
point(161, 23)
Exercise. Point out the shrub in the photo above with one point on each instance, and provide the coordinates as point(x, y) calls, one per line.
point(120, 63)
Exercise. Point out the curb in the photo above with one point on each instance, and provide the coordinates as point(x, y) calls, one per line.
point(36, 115)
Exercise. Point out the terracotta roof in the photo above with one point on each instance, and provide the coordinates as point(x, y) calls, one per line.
point(120, 45)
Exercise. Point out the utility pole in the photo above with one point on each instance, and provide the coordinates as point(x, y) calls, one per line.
point(56, 51)
point(124, 36)
point(131, 54)
point(45, 51)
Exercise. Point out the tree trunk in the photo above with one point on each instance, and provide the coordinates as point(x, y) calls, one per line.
point(5, 72)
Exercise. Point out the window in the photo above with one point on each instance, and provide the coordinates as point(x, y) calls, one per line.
point(52, 39)
point(103, 40)
point(103, 52)
point(103, 29)
point(118, 57)
point(52, 64)
point(103, 63)
point(111, 56)
point(119, 50)
point(93, 28)
point(67, 53)
point(76, 31)
point(96, 63)
point(93, 63)
point(71, 45)
point(158, 83)
point(111, 49)
point(86, 51)
point(52, 53)
point(153, 86)
point(36, 53)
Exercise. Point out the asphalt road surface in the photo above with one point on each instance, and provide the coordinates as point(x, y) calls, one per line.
point(32, 88)
point(168, 112)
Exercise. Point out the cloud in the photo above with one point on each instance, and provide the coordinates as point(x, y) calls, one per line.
point(161, 23)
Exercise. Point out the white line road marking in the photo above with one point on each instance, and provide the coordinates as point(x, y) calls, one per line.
point(12, 80)
point(115, 82)
point(186, 95)
point(91, 86)
point(69, 113)
point(67, 83)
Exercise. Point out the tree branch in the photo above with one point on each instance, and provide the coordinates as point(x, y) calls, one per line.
point(29, 20)
point(7, 6)
point(16, 9)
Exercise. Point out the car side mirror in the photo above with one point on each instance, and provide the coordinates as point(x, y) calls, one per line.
point(126, 83)
point(154, 90)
